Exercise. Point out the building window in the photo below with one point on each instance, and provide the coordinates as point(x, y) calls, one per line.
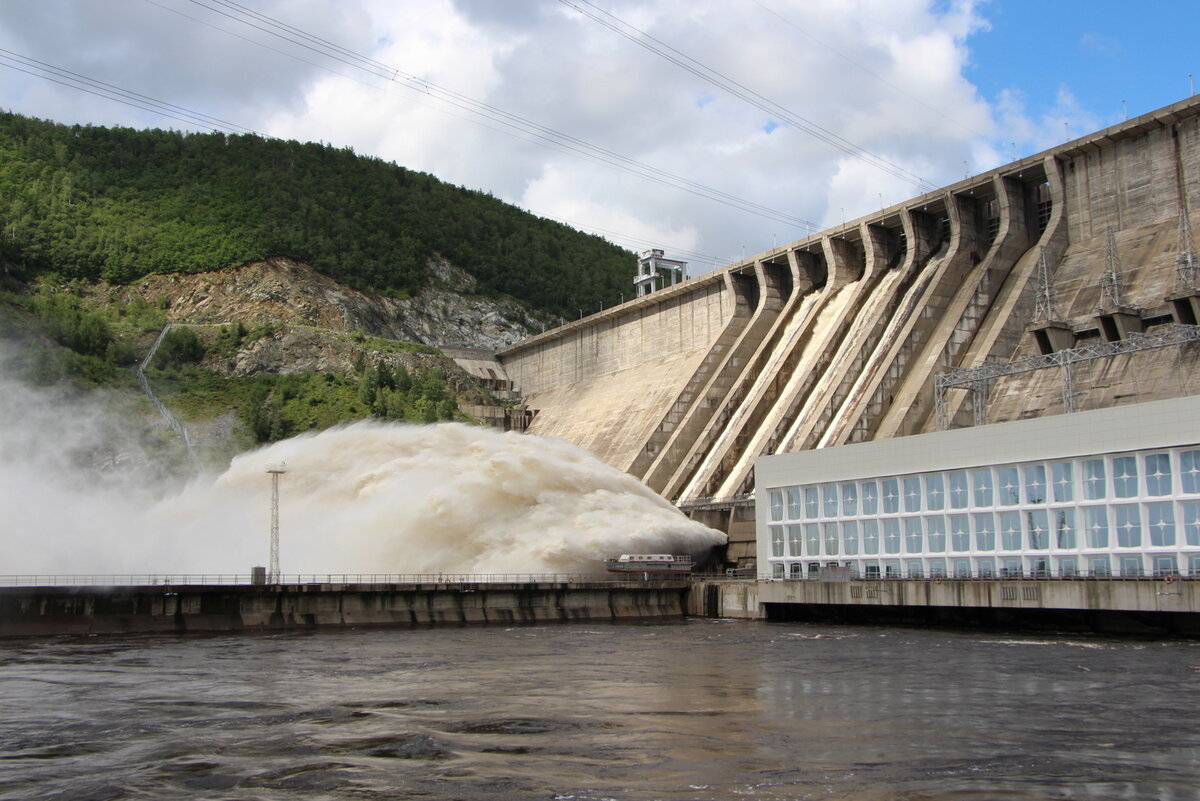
point(985, 532)
point(776, 505)
point(850, 538)
point(830, 494)
point(913, 535)
point(891, 535)
point(1165, 564)
point(776, 540)
point(1131, 565)
point(870, 532)
point(891, 569)
point(1194, 564)
point(935, 528)
point(777, 570)
point(1097, 526)
point(1189, 467)
point(795, 541)
point(912, 493)
point(795, 571)
point(1093, 479)
point(958, 490)
point(812, 503)
point(1064, 482)
point(1099, 566)
point(960, 533)
point(870, 498)
point(812, 539)
point(1035, 483)
point(962, 568)
point(1012, 568)
point(937, 568)
point(1010, 531)
point(814, 570)
point(935, 492)
point(915, 570)
point(987, 567)
point(872, 570)
point(891, 496)
point(1125, 477)
point(831, 539)
point(981, 480)
point(1010, 487)
point(1158, 473)
point(849, 499)
point(1068, 566)
point(1161, 517)
point(1064, 527)
point(794, 510)
point(1191, 522)
point(1039, 529)
point(1129, 526)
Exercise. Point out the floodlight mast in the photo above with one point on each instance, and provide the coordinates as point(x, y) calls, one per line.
point(275, 471)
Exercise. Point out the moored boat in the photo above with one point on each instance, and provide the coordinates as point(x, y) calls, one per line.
point(649, 563)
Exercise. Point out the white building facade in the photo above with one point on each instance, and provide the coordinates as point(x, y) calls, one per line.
point(1106, 493)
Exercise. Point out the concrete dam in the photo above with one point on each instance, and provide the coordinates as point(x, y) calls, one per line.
point(839, 337)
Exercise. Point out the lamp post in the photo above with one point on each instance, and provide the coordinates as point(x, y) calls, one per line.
point(275, 471)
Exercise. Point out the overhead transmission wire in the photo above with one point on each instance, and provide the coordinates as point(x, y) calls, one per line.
point(540, 133)
point(77, 81)
point(688, 64)
point(74, 80)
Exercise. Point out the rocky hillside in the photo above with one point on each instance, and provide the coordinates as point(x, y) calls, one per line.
point(286, 292)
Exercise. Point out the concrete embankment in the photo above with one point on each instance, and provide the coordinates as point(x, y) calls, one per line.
point(40, 611)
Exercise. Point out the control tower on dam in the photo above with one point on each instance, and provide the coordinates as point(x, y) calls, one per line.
point(840, 337)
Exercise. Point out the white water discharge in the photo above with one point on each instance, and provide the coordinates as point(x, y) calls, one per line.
point(366, 498)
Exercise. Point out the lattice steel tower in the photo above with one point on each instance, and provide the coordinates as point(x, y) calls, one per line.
point(1112, 287)
point(1187, 274)
point(1046, 308)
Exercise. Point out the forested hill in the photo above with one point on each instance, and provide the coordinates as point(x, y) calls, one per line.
point(120, 203)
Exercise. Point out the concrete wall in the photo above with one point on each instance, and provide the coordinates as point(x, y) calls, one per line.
point(40, 611)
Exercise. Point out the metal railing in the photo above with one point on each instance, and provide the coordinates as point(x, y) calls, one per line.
point(1012, 576)
point(242, 579)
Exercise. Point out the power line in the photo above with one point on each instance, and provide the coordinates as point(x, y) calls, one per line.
point(540, 133)
point(688, 64)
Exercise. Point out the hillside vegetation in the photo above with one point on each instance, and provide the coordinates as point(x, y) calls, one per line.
point(117, 203)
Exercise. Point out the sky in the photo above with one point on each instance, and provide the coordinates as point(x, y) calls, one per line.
point(714, 129)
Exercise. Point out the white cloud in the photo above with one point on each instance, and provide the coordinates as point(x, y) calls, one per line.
point(887, 75)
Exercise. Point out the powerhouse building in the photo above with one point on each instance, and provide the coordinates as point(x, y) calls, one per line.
point(1105, 493)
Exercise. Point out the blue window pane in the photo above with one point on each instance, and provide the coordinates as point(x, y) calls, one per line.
point(987, 567)
point(891, 535)
point(812, 503)
point(1096, 524)
point(1131, 565)
point(776, 541)
point(1008, 485)
point(1191, 522)
point(935, 529)
point(985, 532)
point(849, 499)
point(960, 533)
point(915, 569)
point(794, 509)
point(937, 568)
point(812, 539)
point(1068, 566)
point(1161, 520)
point(776, 505)
point(829, 493)
point(1064, 482)
point(1038, 521)
point(981, 481)
point(958, 490)
point(913, 535)
point(912, 493)
point(935, 492)
point(1100, 566)
point(1035, 483)
point(1093, 479)
point(795, 541)
point(831, 539)
point(850, 538)
point(1064, 528)
point(870, 534)
point(1010, 531)
point(870, 498)
point(1124, 476)
point(1158, 473)
point(1189, 471)
point(891, 496)
point(1129, 526)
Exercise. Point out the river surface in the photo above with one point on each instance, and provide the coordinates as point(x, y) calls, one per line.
point(682, 710)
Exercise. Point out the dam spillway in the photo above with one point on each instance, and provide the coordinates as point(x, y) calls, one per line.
point(837, 338)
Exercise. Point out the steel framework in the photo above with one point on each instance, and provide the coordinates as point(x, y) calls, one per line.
point(275, 471)
point(1187, 275)
point(977, 379)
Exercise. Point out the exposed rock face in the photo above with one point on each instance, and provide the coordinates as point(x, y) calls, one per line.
point(284, 291)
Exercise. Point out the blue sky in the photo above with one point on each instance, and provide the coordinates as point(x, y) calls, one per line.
point(927, 88)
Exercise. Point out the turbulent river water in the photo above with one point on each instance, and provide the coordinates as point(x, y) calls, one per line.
point(683, 710)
